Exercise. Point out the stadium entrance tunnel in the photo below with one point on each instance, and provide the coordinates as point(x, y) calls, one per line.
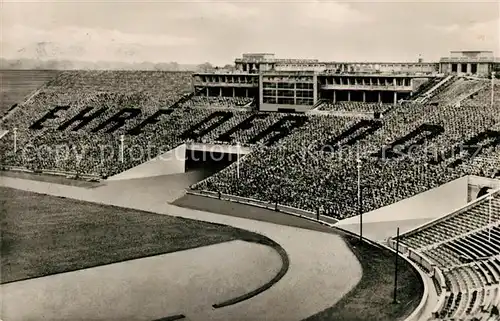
point(208, 159)
point(204, 159)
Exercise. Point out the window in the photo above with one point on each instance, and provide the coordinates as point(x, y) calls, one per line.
point(473, 68)
point(305, 101)
point(269, 92)
point(269, 100)
point(286, 101)
point(269, 85)
point(286, 85)
point(285, 93)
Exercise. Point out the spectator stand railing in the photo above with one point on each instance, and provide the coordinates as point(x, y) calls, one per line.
point(428, 267)
point(330, 222)
point(71, 175)
point(323, 219)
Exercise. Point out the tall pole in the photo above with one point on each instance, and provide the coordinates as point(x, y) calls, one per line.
point(15, 140)
point(238, 159)
point(122, 138)
point(490, 199)
point(360, 209)
point(492, 88)
point(395, 300)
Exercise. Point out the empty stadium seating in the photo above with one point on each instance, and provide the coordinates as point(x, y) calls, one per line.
point(466, 246)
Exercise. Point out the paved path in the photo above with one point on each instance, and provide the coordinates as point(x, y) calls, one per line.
point(322, 268)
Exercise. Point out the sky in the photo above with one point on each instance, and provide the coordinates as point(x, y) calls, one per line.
point(219, 31)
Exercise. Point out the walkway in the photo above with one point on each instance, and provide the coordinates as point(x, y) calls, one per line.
point(322, 268)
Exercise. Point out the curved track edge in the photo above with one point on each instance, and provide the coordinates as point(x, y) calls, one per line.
point(285, 265)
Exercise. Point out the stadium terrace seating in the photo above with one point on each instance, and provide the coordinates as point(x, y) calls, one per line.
point(456, 90)
point(474, 218)
point(305, 161)
point(424, 88)
point(102, 94)
point(472, 291)
point(219, 102)
point(466, 247)
point(325, 174)
point(472, 247)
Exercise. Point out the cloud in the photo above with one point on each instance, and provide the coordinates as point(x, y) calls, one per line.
point(219, 30)
point(88, 44)
point(330, 12)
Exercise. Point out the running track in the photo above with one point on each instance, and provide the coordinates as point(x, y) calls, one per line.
point(322, 268)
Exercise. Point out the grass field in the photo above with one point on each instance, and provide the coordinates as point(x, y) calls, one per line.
point(43, 235)
point(372, 297)
point(17, 84)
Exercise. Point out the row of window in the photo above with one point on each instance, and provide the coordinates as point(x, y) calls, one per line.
point(366, 81)
point(288, 101)
point(228, 80)
point(288, 93)
point(463, 68)
point(287, 85)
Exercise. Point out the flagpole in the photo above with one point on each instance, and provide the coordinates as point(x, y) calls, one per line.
point(490, 198)
point(122, 138)
point(15, 140)
point(395, 298)
point(238, 159)
point(492, 88)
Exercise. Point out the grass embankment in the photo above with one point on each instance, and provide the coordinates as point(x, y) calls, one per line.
point(372, 298)
point(43, 235)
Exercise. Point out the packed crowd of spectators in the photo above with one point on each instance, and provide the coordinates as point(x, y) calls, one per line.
point(296, 170)
point(313, 179)
point(355, 106)
point(74, 91)
point(218, 102)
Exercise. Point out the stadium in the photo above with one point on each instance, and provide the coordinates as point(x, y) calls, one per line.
point(151, 195)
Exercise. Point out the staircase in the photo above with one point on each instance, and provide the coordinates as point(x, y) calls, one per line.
point(426, 95)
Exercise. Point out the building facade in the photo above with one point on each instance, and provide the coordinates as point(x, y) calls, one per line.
point(476, 63)
point(296, 85)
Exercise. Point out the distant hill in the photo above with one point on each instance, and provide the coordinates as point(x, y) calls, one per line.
point(52, 64)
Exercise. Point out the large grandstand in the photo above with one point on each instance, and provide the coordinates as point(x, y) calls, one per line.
point(324, 139)
point(101, 123)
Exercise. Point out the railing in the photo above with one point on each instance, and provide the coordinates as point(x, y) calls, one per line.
point(53, 172)
point(226, 84)
point(327, 220)
point(367, 87)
